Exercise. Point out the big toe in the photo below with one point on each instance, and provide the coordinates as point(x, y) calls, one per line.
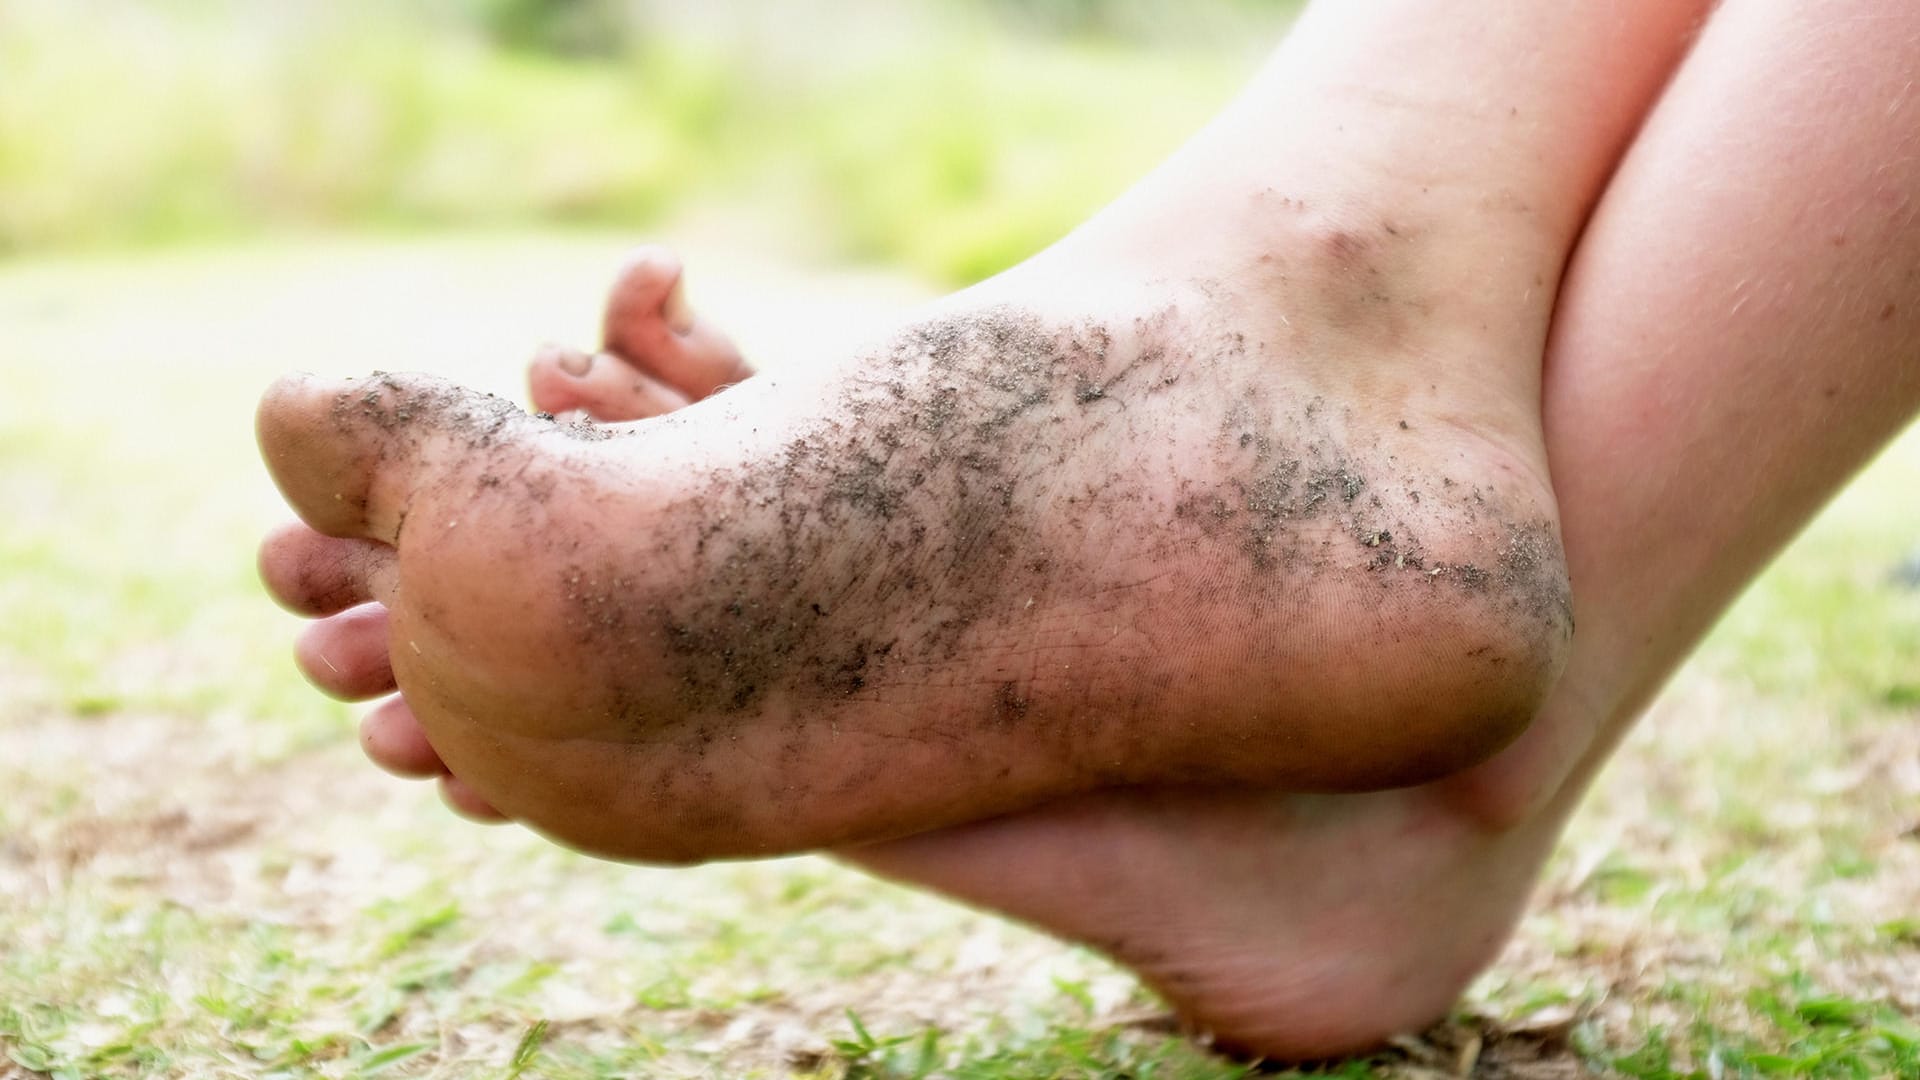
point(349, 455)
point(647, 292)
point(649, 322)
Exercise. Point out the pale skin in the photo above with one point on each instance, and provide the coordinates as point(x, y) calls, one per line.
point(1725, 351)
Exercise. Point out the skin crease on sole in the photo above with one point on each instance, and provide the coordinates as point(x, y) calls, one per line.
point(1009, 554)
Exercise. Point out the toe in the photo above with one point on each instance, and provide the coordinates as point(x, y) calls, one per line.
point(650, 323)
point(312, 574)
point(351, 455)
point(394, 740)
point(467, 802)
point(346, 655)
point(608, 388)
point(637, 304)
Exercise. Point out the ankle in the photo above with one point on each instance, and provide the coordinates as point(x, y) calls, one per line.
point(1437, 267)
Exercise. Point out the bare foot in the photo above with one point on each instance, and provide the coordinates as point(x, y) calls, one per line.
point(1146, 530)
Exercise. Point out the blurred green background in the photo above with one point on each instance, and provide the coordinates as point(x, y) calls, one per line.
point(200, 876)
point(948, 136)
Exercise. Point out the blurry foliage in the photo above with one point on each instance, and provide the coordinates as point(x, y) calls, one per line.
point(563, 27)
point(955, 146)
point(1148, 21)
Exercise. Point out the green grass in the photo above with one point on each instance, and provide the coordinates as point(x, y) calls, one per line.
point(943, 143)
point(1854, 635)
point(198, 877)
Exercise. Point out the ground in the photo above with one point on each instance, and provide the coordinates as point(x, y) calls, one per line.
point(199, 876)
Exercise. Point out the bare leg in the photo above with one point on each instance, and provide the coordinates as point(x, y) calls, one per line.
point(1734, 341)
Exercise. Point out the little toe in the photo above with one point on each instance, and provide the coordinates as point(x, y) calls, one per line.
point(466, 802)
point(346, 655)
point(313, 574)
point(394, 740)
point(606, 387)
point(648, 275)
point(650, 323)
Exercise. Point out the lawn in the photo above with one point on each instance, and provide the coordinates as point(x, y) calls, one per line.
point(199, 876)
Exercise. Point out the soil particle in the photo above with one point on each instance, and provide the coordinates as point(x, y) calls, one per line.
point(1470, 577)
point(1009, 705)
point(411, 407)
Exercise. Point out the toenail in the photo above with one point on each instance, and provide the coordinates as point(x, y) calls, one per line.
point(575, 364)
